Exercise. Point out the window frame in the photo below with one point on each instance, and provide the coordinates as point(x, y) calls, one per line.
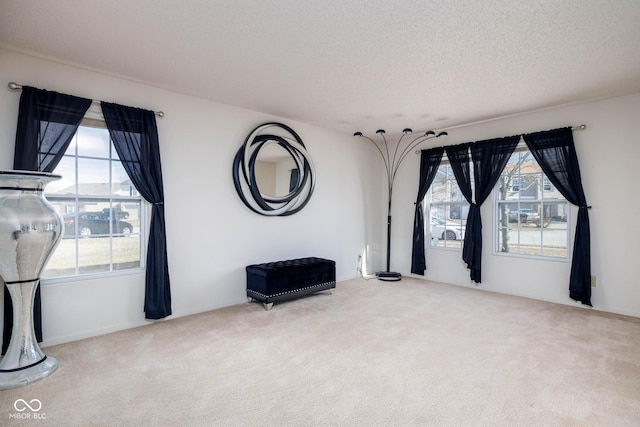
point(540, 200)
point(94, 119)
point(428, 205)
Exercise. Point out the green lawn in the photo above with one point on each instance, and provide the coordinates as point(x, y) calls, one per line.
point(94, 256)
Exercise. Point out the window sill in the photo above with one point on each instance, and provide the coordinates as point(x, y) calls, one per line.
point(532, 257)
point(86, 277)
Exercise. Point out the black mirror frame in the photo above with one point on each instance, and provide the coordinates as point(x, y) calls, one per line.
point(244, 172)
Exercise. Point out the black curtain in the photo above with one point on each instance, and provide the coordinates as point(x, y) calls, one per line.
point(458, 156)
point(555, 152)
point(429, 163)
point(135, 137)
point(47, 121)
point(293, 179)
point(489, 159)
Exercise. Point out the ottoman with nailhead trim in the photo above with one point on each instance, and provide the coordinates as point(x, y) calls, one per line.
point(285, 280)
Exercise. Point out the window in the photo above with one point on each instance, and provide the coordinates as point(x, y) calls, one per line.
point(102, 211)
point(448, 210)
point(531, 214)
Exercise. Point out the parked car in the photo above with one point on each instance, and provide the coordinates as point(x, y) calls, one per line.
point(446, 231)
point(525, 216)
point(94, 223)
point(117, 213)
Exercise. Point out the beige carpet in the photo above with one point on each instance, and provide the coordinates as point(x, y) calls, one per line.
point(371, 354)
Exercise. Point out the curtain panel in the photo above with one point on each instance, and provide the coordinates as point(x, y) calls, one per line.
point(489, 158)
point(460, 161)
point(293, 179)
point(429, 163)
point(555, 152)
point(135, 136)
point(47, 122)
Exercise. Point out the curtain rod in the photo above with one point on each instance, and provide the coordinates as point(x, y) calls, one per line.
point(580, 127)
point(16, 86)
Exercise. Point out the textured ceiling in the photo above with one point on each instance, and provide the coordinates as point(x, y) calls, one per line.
point(348, 65)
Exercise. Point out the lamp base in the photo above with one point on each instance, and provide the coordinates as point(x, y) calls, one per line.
point(22, 377)
point(389, 276)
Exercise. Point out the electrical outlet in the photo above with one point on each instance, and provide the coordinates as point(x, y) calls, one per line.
point(594, 281)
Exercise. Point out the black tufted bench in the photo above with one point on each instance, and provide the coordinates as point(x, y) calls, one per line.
point(284, 280)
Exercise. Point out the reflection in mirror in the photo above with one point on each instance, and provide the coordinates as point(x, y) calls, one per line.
point(273, 170)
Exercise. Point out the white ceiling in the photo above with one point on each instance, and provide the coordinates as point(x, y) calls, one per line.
point(348, 65)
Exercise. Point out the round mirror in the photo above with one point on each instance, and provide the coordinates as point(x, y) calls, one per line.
point(272, 172)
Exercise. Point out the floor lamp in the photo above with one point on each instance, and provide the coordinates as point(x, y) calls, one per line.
point(392, 162)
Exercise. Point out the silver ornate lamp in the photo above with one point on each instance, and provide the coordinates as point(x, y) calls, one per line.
point(30, 229)
point(392, 162)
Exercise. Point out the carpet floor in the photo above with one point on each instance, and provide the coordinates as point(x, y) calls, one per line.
point(409, 353)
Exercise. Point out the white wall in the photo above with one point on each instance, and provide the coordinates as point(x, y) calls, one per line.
point(609, 154)
point(211, 235)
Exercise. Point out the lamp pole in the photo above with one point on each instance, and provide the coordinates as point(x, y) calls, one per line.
point(392, 163)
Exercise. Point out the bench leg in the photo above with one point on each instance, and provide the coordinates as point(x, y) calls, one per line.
point(267, 306)
point(249, 300)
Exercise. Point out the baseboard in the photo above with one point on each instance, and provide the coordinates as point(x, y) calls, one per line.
point(48, 342)
point(568, 301)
